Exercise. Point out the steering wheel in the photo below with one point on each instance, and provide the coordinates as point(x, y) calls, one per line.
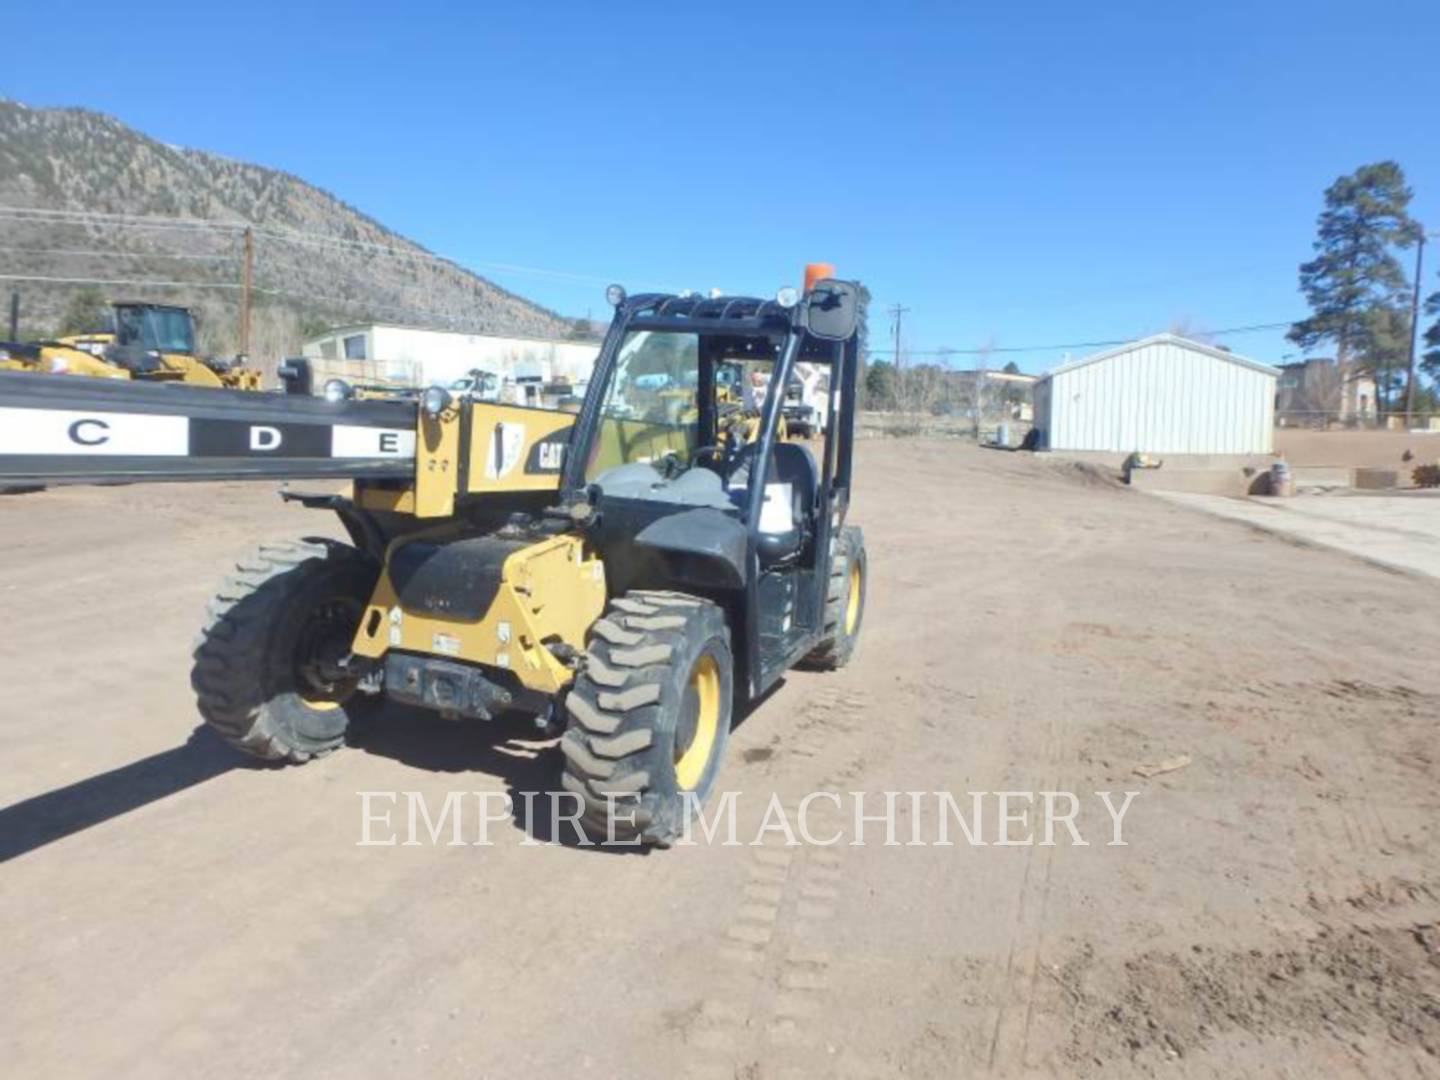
point(723, 454)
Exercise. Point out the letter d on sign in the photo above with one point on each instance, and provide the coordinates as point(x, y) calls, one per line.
point(264, 438)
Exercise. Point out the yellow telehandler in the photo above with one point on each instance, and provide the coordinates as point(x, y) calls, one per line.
point(627, 575)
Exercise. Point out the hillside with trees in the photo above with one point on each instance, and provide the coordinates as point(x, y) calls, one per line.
point(317, 261)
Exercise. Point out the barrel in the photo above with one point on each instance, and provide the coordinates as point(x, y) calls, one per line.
point(1280, 480)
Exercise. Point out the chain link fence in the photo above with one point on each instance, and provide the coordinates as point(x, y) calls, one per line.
point(1329, 420)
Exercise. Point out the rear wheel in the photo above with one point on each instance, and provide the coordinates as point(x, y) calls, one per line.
point(268, 674)
point(649, 715)
point(844, 602)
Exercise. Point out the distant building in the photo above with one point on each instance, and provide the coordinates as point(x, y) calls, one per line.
point(412, 356)
point(1319, 391)
point(1161, 395)
point(1006, 393)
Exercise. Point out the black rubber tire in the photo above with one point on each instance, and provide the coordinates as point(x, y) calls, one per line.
point(245, 676)
point(837, 647)
point(626, 704)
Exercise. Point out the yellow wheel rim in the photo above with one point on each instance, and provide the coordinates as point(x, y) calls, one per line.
point(329, 622)
point(852, 599)
point(690, 760)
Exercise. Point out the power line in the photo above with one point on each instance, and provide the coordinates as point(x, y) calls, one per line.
point(163, 255)
point(83, 217)
point(1253, 328)
point(453, 317)
point(115, 254)
point(135, 284)
point(390, 251)
point(457, 318)
point(146, 220)
point(290, 236)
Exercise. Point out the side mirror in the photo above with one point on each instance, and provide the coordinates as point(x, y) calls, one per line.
point(832, 309)
point(296, 375)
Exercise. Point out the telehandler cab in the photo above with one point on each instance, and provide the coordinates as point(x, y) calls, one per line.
point(629, 575)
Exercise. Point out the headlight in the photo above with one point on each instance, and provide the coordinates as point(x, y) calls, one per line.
point(615, 295)
point(787, 296)
point(337, 390)
point(435, 400)
point(58, 366)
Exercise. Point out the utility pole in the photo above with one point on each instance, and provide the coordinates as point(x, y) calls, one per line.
point(899, 313)
point(247, 272)
point(982, 378)
point(15, 316)
point(1415, 329)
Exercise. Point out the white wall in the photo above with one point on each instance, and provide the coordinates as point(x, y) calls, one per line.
point(437, 356)
point(1162, 396)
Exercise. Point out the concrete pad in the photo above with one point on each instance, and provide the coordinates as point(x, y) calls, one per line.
point(1232, 481)
point(1322, 476)
point(1372, 479)
point(1399, 531)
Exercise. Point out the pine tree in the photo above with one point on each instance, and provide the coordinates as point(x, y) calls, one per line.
point(1355, 284)
point(880, 385)
point(1430, 358)
point(1385, 351)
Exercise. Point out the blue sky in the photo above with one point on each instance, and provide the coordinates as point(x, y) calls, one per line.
point(1015, 174)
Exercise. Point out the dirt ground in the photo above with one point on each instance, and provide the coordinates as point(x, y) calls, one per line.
point(170, 910)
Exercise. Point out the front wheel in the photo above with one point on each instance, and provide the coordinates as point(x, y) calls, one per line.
point(844, 602)
point(650, 715)
point(268, 675)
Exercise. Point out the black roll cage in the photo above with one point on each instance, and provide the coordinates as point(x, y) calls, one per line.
point(753, 319)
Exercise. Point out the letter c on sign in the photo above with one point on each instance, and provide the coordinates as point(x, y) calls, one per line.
point(264, 438)
point(79, 435)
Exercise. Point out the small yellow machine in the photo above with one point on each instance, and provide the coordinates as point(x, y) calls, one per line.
point(626, 574)
point(149, 341)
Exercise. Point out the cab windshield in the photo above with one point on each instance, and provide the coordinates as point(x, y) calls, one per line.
point(166, 330)
point(651, 407)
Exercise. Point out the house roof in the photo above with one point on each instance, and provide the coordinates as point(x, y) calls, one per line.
point(1165, 339)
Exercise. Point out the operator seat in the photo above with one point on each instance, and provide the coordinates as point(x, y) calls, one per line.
point(787, 525)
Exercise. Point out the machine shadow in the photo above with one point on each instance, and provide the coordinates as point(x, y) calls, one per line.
point(42, 819)
point(509, 748)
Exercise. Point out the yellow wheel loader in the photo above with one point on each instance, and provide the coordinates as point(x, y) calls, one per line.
point(149, 341)
point(626, 574)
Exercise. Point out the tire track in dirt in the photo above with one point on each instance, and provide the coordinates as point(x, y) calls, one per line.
point(1050, 766)
point(1356, 815)
point(1018, 985)
point(773, 971)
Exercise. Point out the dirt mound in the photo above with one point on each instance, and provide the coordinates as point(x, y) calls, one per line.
point(1161, 1005)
